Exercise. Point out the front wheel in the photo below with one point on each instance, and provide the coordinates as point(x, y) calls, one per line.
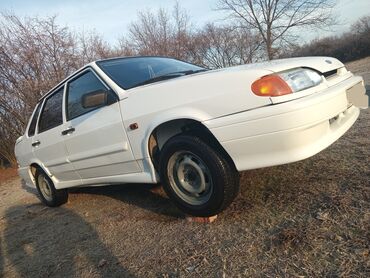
point(197, 177)
point(47, 192)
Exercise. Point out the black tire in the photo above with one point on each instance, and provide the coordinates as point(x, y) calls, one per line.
point(218, 173)
point(54, 197)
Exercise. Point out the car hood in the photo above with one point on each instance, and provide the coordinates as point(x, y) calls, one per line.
point(321, 64)
point(214, 93)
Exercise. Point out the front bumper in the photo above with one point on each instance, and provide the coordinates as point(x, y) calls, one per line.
point(286, 132)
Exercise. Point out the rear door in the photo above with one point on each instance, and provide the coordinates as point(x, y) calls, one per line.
point(95, 137)
point(48, 143)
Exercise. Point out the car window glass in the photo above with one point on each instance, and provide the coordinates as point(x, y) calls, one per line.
point(129, 72)
point(32, 128)
point(52, 114)
point(84, 84)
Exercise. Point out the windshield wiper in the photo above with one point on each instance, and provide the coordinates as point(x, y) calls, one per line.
point(169, 75)
point(187, 72)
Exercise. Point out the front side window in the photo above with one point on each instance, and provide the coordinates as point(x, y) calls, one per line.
point(84, 84)
point(52, 114)
point(136, 71)
point(32, 128)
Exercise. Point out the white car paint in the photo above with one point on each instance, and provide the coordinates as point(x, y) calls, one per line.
point(255, 131)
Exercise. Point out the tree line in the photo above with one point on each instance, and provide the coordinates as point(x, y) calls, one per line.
point(349, 46)
point(37, 53)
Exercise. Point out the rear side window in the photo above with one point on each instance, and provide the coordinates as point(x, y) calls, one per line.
point(86, 83)
point(32, 128)
point(52, 114)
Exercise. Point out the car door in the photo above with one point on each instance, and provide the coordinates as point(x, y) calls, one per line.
point(48, 143)
point(96, 139)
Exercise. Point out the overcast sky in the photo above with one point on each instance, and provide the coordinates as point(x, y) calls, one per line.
point(112, 17)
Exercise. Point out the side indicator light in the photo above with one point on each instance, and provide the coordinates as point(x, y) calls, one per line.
point(134, 126)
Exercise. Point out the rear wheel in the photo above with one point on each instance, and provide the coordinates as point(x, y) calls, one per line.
point(198, 178)
point(47, 192)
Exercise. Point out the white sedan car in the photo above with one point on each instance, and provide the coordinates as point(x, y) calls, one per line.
point(156, 119)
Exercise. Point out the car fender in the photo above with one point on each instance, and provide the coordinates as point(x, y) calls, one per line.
point(139, 138)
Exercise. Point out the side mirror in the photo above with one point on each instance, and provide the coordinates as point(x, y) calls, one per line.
point(95, 99)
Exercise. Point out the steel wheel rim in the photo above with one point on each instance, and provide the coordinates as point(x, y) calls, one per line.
point(190, 177)
point(45, 187)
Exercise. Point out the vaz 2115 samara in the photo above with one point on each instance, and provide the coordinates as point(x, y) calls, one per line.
point(156, 119)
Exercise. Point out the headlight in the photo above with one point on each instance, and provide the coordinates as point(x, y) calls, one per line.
point(301, 79)
point(286, 82)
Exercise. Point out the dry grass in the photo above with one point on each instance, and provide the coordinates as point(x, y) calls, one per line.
point(6, 174)
point(307, 219)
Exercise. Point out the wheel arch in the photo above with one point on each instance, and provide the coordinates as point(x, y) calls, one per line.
point(33, 169)
point(37, 165)
point(166, 130)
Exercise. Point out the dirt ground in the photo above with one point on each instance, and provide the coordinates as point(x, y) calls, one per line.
point(6, 174)
point(306, 219)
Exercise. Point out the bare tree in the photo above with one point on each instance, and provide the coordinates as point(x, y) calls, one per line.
point(166, 34)
point(35, 55)
point(92, 47)
point(150, 34)
point(224, 46)
point(362, 25)
point(275, 20)
point(124, 48)
point(160, 33)
point(349, 46)
point(183, 36)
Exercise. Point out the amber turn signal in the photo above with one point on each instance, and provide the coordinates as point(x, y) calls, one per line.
point(271, 86)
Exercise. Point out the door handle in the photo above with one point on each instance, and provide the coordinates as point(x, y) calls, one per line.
point(36, 143)
point(68, 130)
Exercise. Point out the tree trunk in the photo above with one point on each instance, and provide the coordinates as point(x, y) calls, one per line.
point(270, 54)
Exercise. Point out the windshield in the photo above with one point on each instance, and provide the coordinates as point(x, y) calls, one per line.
point(136, 71)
